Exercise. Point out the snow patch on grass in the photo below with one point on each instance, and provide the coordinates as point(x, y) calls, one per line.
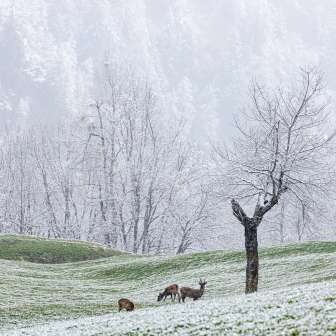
point(292, 286)
point(306, 310)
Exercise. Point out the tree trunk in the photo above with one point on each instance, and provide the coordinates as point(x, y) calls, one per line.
point(282, 221)
point(252, 266)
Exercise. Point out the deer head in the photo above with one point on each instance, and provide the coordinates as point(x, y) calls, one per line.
point(160, 296)
point(202, 283)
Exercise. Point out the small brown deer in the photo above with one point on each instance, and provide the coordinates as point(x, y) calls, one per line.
point(125, 304)
point(171, 291)
point(192, 293)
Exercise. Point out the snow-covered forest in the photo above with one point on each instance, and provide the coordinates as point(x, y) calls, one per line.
point(117, 118)
point(117, 175)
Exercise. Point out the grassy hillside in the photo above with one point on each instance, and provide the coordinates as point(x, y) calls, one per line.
point(40, 250)
point(295, 281)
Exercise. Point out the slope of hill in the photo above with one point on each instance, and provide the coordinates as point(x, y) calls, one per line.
point(297, 294)
point(50, 251)
point(306, 310)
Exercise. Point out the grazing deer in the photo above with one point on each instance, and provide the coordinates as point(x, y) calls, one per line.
point(192, 293)
point(125, 304)
point(171, 291)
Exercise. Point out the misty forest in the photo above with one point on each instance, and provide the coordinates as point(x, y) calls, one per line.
point(185, 144)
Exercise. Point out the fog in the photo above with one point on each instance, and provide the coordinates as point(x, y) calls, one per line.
point(199, 56)
point(182, 69)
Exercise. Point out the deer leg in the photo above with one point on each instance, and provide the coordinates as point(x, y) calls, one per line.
point(173, 296)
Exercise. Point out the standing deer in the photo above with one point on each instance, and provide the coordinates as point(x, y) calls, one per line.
point(192, 293)
point(171, 291)
point(125, 304)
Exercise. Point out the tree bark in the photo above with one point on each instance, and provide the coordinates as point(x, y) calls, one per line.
point(252, 258)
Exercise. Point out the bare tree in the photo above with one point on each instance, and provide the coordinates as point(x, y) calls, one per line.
point(190, 217)
point(139, 165)
point(280, 149)
point(119, 174)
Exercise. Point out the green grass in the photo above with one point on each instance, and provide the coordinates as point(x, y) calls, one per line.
point(47, 251)
point(299, 249)
point(142, 269)
point(55, 286)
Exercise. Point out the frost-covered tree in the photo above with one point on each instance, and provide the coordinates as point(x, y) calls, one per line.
point(280, 149)
point(119, 174)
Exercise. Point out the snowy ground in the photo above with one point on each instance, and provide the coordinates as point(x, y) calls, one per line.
point(307, 310)
point(297, 295)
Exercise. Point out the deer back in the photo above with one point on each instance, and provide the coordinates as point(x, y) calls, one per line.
point(126, 304)
point(191, 292)
point(171, 289)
